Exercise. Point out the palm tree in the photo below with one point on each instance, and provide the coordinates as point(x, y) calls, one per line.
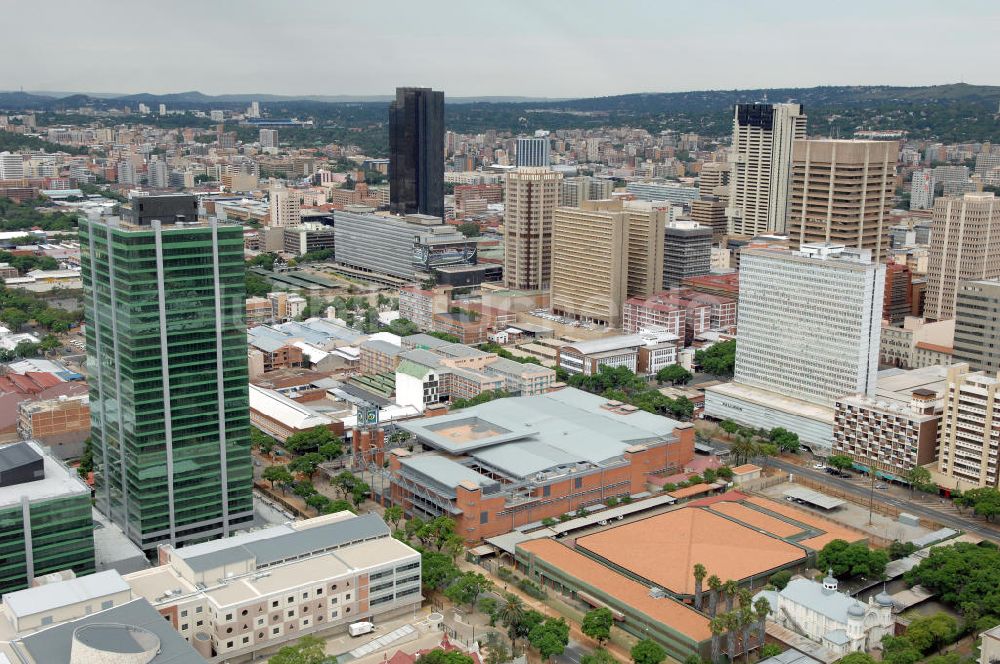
point(512, 611)
point(730, 589)
point(718, 625)
point(745, 447)
point(732, 626)
point(699, 576)
point(746, 618)
point(714, 586)
point(762, 608)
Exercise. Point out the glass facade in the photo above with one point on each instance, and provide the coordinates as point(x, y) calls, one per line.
point(416, 152)
point(166, 354)
point(61, 538)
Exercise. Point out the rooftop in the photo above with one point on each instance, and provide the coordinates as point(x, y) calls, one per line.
point(810, 594)
point(687, 536)
point(279, 407)
point(59, 481)
point(41, 599)
point(606, 344)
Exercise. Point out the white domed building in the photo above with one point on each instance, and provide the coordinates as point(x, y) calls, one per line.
point(834, 620)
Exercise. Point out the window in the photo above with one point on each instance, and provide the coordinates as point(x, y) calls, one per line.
point(275, 630)
point(347, 596)
point(291, 613)
point(199, 623)
point(47, 620)
point(305, 595)
point(184, 627)
point(107, 604)
point(229, 617)
point(305, 622)
point(274, 604)
point(197, 609)
point(246, 639)
point(319, 591)
point(546, 490)
point(578, 482)
point(184, 613)
point(229, 644)
point(291, 598)
point(484, 517)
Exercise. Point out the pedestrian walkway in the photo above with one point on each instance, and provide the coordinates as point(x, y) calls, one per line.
point(381, 642)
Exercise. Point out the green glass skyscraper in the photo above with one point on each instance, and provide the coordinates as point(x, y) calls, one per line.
point(166, 356)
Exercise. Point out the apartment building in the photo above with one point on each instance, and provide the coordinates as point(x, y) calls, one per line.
point(898, 343)
point(977, 332)
point(969, 436)
point(682, 311)
point(710, 214)
point(761, 160)
point(896, 429)
point(922, 189)
point(255, 591)
point(284, 207)
point(897, 302)
point(841, 192)
point(576, 190)
point(965, 246)
point(419, 305)
point(531, 196)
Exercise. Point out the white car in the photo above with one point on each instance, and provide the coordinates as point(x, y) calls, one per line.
point(819, 466)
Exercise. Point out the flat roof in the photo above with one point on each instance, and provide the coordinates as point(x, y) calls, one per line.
point(831, 530)
point(685, 537)
point(59, 481)
point(633, 594)
point(770, 399)
point(47, 597)
point(279, 407)
point(445, 471)
point(607, 344)
point(814, 497)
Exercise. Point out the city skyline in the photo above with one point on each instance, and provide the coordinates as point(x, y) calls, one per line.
point(584, 57)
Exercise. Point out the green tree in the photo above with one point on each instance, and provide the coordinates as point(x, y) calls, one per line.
point(699, 577)
point(899, 650)
point(780, 579)
point(438, 570)
point(261, 441)
point(309, 650)
point(344, 483)
point(278, 475)
point(648, 651)
point(719, 359)
point(840, 462)
point(318, 502)
point(307, 464)
point(785, 440)
point(332, 449)
point(441, 656)
point(674, 374)
point(931, 633)
point(729, 426)
point(899, 549)
point(360, 492)
point(919, 477)
point(14, 318)
point(304, 489)
point(310, 440)
point(467, 588)
point(597, 624)
point(403, 327)
point(393, 515)
point(856, 658)
point(469, 229)
point(550, 637)
point(852, 560)
point(87, 459)
point(769, 650)
point(598, 656)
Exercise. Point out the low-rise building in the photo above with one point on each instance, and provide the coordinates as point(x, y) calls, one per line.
point(683, 311)
point(898, 343)
point(932, 355)
point(308, 237)
point(587, 357)
point(419, 304)
point(280, 417)
point(61, 424)
point(378, 356)
point(896, 429)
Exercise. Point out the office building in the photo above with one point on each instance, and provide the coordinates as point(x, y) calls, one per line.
point(897, 303)
point(841, 192)
point(922, 190)
point(977, 332)
point(514, 461)
point(533, 151)
point(714, 175)
point(158, 174)
point(308, 237)
point(255, 591)
point(268, 138)
point(761, 160)
point(166, 358)
point(647, 225)
point(710, 214)
point(895, 429)
point(671, 192)
point(809, 326)
point(969, 440)
point(530, 199)
point(986, 161)
point(954, 180)
point(416, 152)
point(11, 166)
point(687, 252)
point(127, 173)
point(399, 247)
point(965, 245)
point(45, 517)
point(284, 207)
point(581, 188)
point(681, 311)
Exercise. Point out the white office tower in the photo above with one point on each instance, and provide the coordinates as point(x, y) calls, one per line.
point(158, 175)
point(254, 110)
point(284, 206)
point(761, 160)
point(809, 333)
point(163, 109)
point(268, 138)
point(11, 166)
point(533, 151)
point(922, 190)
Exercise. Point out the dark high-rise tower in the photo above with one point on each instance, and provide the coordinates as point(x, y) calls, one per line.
point(416, 152)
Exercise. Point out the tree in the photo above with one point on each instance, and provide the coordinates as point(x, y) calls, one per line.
point(717, 625)
point(840, 462)
point(403, 327)
point(899, 650)
point(729, 426)
point(745, 447)
point(674, 374)
point(87, 459)
point(337, 506)
point(730, 589)
point(309, 440)
point(769, 650)
point(780, 579)
point(762, 608)
point(359, 492)
point(304, 489)
point(309, 650)
point(15, 318)
point(523, 627)
point(984, 501)
point(856, 658)
point(648, 652)
point(550, 637)
point(929, 633)
point(852, 559)
point(699, 577)
point(785, 440)
point(278, 474)
point(331, 450)
point(344, 483)
point(899, 549)
point(719, 359)
point(597, 624)
point(469, 229)
point(438, 570)
point(467, 588)
point(598, 656)
point(318, 502)
point(307, 464)
point(393, 515)
point(441, 656)
point(964, 575)
point(261, 441)
point(714, 588)
point(919, 477)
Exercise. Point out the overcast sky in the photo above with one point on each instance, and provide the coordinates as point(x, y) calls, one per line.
point(553, 48)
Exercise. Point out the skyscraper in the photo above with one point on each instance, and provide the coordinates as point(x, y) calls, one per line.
point(530, 199)
point(11, 166)
point(158, 174)
point(761, 158)
point(268, 138)
point(687, 251)
point(977, 330)
point(166, 356)
point(970, 439)
point(965, 245)
point(922, 190)
point(533, 151)
point(416, 152)
point(841, 193)
point(284, 206)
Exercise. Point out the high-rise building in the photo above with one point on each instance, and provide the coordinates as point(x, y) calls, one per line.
point(589, 262)
point(416, 152)
point(575, 190)
point(710, 214)
point(268, 138)
point(533, 151)
point(167, 364)
point(954, 180)
point(687, 251)
point(530, 199)
point(897, 303)
point(254, 110)
point(11, 166)
point(713, 174)
point(977, 330)
point(922, 190)
point(965, 245)
point(646, 227)
point(158, 174)
point(809, 328)
point(969, 439)
point(163, 109)
point(761, 161)
point(285, 207)
point(841, 192)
